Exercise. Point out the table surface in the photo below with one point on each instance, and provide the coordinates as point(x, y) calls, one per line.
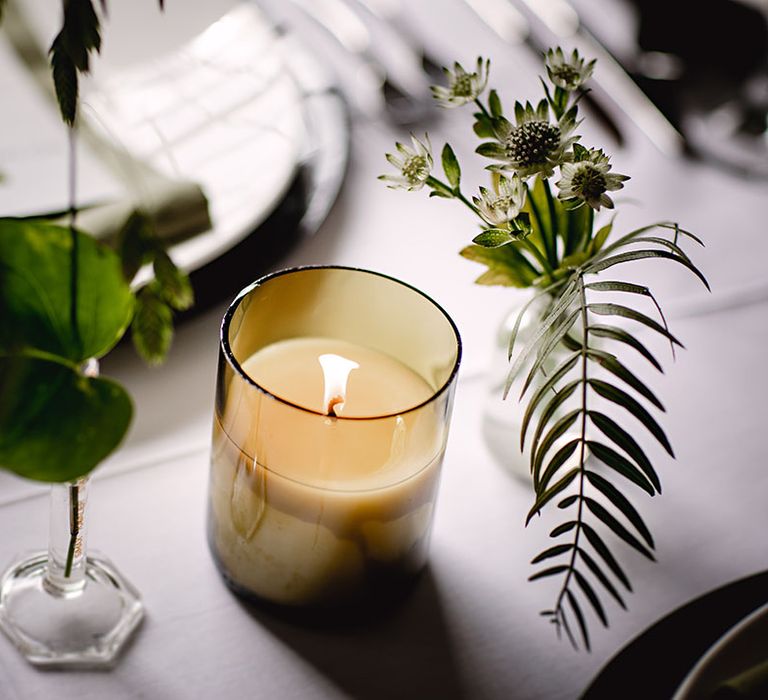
point(471, 627)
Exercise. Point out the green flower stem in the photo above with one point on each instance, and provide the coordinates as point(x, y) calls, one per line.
point(546, 267)
point(74, 254)
point(552, 247)
point(590, 223)
point(482, 108)
point(74, 527)
point(440, 185)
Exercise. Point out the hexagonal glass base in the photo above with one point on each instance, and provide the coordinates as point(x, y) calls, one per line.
point(85, 627)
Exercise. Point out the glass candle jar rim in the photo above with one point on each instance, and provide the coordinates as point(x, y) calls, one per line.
point(233, 362)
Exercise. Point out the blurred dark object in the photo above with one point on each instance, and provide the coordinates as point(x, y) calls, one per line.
point(705, 65)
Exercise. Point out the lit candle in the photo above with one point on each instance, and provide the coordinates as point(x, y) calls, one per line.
point(325, 467)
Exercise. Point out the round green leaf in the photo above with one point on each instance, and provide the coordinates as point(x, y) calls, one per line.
point(36, 292)
point(55, 423)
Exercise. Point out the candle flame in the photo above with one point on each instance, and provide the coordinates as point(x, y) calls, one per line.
point(336, 370)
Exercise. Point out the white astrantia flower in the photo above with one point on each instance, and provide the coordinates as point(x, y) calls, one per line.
point(588, 179)
point(414, 164)
point(462, 87)
point(503, 203)
point(568, 73)
point(532, 146)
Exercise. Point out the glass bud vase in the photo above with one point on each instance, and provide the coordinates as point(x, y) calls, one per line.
point(502, 419)
point(64, 607)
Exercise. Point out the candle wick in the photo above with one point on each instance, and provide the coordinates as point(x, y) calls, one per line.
point(333, 403)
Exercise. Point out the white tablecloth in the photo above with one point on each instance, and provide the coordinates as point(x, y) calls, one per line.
point(471, 627)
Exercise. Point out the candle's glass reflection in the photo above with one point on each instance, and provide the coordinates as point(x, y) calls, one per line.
point(308, 508)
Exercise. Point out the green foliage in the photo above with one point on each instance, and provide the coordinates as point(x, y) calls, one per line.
point(55, 423)
point(152, 328)
point(36, 292)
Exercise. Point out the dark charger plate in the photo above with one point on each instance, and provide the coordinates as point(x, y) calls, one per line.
point(655, 663)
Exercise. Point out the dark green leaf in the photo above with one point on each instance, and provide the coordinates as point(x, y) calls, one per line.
point(620, 335)
point(591, 596)
point(601, 548)
point(579, 617)
point(80, 32)
point(175, 287)
point(552, 571)
point(619, 258)
point(622, 503)
point(491, 149)
point(493, 238)
point(560, 458)
point(617, 396)
point(551, 492)
point(678, 230)
point(609, 362)
point(495, 104)
point(135, 243)
point(597, 572)
point(507, 266)
point(618, 529)
point(540, 450)
point(550, 342)
point(563, 369)
point(566, 626)
point(64, 80)
point(567, 290)
point(568, 501)
point(600, 237)
point(552, 552)
point(626, 442)
point(152, 327)
point(36, 292)
point(614, 286)
point(626, 312)
point(562, 529)
point(549, 411)
point(56, 424)
point(451, 167)
point(621, 464)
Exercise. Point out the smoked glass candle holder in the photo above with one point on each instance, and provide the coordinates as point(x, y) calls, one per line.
point(323, 488)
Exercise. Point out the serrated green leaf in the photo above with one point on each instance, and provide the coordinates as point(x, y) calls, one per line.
point(621, 336)
point(551, 571)
point(579, 617)
point(605, 554)
point(621, 398)
point(620, 464)
point(174, 285)
point(550, 493)
point(493, 238)
point(622, 503)
point(597, 572)
point(626, 442)
point(36, 292)
point(626, 312)
point(610, 363)
point(591, 596)
point(451, 167)
point(56, 424)
point(80, 32)
point(557, 461)
point(616, 527)
point(552, 552)
point(152, 328)
point(562, 529)
point(540, 450)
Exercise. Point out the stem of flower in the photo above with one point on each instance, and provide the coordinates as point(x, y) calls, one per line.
point(540, 257)
point(440, 185)
point(552, 232)
point(482, 108)
point(74, 253)
point(74, 526)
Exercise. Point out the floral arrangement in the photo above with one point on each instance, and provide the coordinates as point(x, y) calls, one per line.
point(533, 237)
point(67, 300)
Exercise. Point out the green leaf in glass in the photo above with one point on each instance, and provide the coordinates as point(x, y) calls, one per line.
point(55, 423)
point(36, 292)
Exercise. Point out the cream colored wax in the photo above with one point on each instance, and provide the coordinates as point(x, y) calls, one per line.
point(308, 508)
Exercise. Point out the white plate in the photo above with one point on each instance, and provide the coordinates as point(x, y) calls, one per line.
point(743, 646)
